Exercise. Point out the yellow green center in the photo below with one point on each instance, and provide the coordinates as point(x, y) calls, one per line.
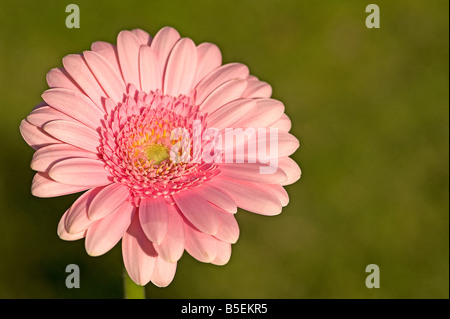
point(157, 153)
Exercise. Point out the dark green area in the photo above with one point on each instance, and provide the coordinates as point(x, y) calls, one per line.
point(369, 106)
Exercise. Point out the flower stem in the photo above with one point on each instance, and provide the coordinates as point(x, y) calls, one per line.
point(131, 289)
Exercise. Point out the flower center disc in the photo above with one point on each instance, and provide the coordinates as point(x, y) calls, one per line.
point(157, 153)
point(138, 141)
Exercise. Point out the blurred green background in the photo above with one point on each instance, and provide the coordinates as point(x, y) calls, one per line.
point(370, 107)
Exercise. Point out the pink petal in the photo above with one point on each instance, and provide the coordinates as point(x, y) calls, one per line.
point(84, 172)
point(106, 232)
point(228, 230)
point(35, 136)
point(79, 71)
point(128, 50)
point(154, 218)
point(163, 273)
point(252, 172)
point(42, 104)
point(75, 134)
point(75, 105)
point(225, 93)
point(287, 144)
point(250, 196)
point(139, 256)
point(228, 114)
point(283, 123)
point(43, 186)
point(109, 52)
point(291, 168)
point(41, 116)
point(199, 245)
point(257, 89)
point(171, 247)
point(217, 197)
point(109, 105)
point(266, 112)
point(108, 200)
point(110, 80)
point(220, 75)
point(64, 235)
point(149, 70)
point(77, 219)
point(163, 43)
point(278, 144)
point(279, 192)
point(223, 254)
point(209, 58)
point(143, 36)
point(180, 70)
point(59, 78)
point(46, 156)
point(198, 211)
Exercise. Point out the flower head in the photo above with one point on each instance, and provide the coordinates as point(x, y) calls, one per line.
point(166, 143)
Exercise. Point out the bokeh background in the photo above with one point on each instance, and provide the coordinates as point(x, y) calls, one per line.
point(369, 106)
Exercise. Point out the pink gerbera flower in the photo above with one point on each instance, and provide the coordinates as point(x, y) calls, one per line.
point(166, 142)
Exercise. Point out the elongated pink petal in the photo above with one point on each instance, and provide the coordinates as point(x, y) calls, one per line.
point(198, 211)
point(110, 80)
point(163, 273)
point(291, 169)
point(75, 105)
point(106, 232)
point(154, 218)
point(261, 145)
point(75, 134)
point(265, 113)
point(225, 93)
point(217, 197)
point(84, 172)
point(46, 156)
point(163, 43)
point(41, 116)
point(250, 196)
point(257, 89)
point(64, 235)
point(223, 254)
point(35, 136)
point(59, 78)
point(287, 144)
point(79, 71)
point(108, 200)
point(230, 113)
point(279, 192)
point(128, 50)
point(209, 58)
point(199, 245)
point(143, 36)
point(42, 104)
point(253, 172)
point(77, 219)
point(149, 70)
point(43, 186)
point(109, 52)
point(180, 70)
point(228, 230)
point(283, 123)
point(109, 105)
point(138, 253)
point(220, 75)
point(171, 247)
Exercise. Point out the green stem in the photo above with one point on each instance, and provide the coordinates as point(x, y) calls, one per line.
point(131, 289)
